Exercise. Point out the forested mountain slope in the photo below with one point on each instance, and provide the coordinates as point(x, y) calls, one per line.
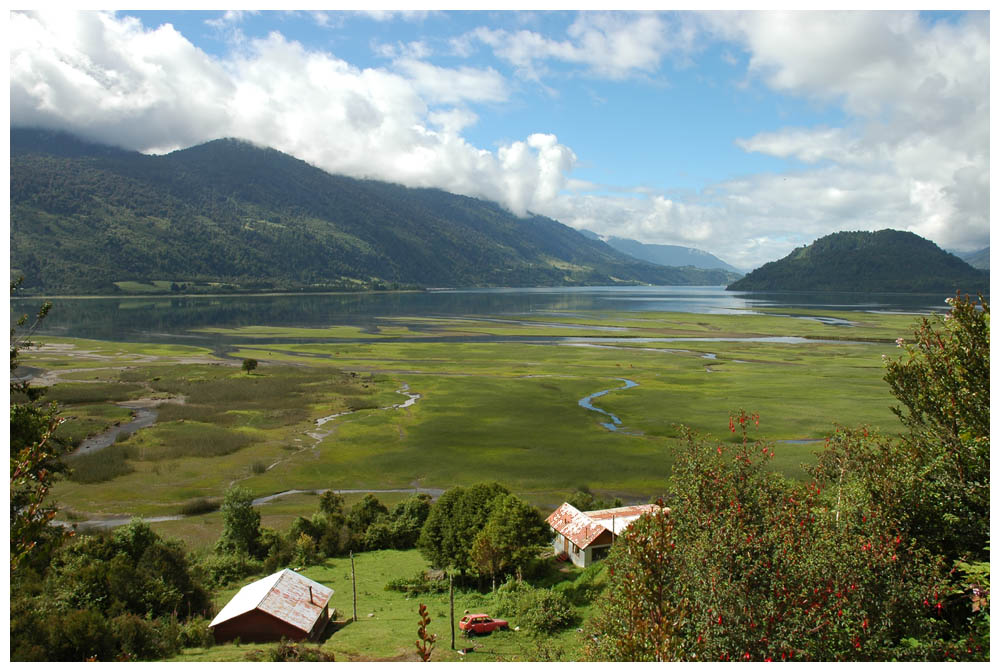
point(864, 261)
point(86, 216)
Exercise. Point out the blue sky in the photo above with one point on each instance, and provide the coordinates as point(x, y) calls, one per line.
point(742, 134)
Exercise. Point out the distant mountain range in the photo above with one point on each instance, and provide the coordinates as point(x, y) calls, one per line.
point(978, 259)
point(88, 218)
point(665, 255)
point(880, 261)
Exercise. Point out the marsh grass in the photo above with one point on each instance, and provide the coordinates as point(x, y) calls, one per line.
point(497, 411)
point(102, 466)
point(91, 393)
point(167, 441)
point(200, 505)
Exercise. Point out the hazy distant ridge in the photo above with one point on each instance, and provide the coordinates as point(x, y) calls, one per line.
point(665, 255)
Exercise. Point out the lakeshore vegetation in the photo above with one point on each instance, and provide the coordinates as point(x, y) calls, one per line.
point(503, 412)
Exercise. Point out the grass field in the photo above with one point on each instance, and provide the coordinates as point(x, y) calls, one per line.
point(387, 620)
point(499, 410)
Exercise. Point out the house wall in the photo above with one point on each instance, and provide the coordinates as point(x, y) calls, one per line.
point(256, 626)
point(582, 557)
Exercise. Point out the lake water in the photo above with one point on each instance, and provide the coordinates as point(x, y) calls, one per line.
point(170, 319)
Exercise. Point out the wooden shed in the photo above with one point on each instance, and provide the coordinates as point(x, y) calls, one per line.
point(284, 604)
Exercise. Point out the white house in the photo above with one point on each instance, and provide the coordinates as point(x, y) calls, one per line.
point(587, 536)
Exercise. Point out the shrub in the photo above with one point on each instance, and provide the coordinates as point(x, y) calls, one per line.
point(290, 652)
point(226, 568)
point(536, 609)
point(418, 584)
point(196, 633)
point(140, 638)
point(200, 505)
point(79, 635)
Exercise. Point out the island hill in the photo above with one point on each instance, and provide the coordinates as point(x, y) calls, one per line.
point(864, 261)
point(229, 215)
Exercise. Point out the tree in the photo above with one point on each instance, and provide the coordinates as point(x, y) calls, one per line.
point(942, 383)
point(883, 555)
point(241, 524)
point(454, 522)
point(249, 365)
point(749, 566)
point(513, 535)
point(34, 452)
point(366, 512)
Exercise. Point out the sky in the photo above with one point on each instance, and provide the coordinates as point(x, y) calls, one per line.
point(745, 134)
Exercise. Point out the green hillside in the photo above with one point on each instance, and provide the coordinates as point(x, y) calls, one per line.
point(863, 261)
point(230, 215)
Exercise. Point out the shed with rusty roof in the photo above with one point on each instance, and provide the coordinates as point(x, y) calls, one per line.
point(587, 536)
point(284, 604)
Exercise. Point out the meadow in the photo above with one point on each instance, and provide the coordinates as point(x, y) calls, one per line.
point(498, 401)
point(387, 620)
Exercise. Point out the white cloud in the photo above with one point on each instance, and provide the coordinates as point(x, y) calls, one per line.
point(609, 45)
point(110, 79)
point(230, 17)
point(913, 152)
point(917, 145)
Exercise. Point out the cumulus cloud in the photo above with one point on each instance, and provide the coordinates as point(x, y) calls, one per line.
point(913, 152)
point(609, 45)
point(917, 96)
point(110, 79)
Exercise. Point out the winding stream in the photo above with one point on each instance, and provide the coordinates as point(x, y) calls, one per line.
point(616, 422)
point(144, 417)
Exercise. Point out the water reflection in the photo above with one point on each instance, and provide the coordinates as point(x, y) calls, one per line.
point(171, 319)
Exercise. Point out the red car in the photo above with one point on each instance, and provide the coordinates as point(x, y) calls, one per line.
point(480, 624)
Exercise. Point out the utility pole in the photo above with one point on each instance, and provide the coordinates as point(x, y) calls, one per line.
point(451, 601)
point(354, 586)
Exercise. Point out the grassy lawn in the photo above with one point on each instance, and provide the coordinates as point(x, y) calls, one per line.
point(387, 620)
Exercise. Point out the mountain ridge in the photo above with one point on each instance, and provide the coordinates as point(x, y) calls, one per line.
point(230, 214)
point(664, 255)
point(865, 261)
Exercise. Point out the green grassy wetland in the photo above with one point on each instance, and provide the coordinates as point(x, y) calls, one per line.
point(505, 409)
point(439, 402)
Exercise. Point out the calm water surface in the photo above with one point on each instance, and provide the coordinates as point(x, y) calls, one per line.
point(168, 319)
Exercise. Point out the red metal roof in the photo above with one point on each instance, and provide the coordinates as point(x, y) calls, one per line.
point(584, 527)
point(285, 595)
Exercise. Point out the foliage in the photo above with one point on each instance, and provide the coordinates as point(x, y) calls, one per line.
point(34, 452)
point(241, 523)
point(330, 502)
point(421, 583)
point(539, 610)
point(229, 212)
point(453, 523)
point(942, 382)
point(425, 642)
point(880, 557)
point(225, 569)
point(584, 500)
point(512, 536)
point(747, 566)
point(108, 597)
point(883, 261)
point(289, 652)
point(131, 571)
point(249, 364)
point(366, 512)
